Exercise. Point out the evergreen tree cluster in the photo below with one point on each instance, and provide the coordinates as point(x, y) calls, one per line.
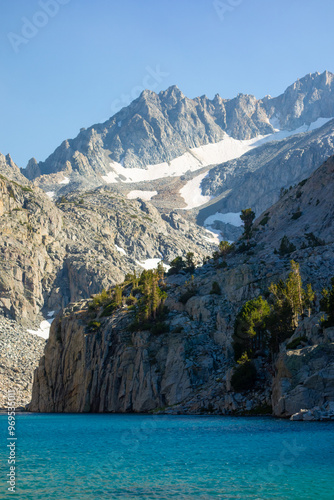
point(178, 264)
point(262, 325)
point(145, 294)
point(327, 305)
point(149, 308)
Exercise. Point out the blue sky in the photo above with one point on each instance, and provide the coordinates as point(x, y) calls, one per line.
point(67, 64)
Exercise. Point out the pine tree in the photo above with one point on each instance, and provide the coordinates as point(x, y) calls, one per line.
point(190, 265)
point(247, 216)
point(327, 304)
point(294, 292)
point(161, 270)
point(177, 265)
point(290, 292)
point(309, 297)
point(118, 295)
point(134, 280)
point(250, 333)
point(225, 248)
point(150, 306)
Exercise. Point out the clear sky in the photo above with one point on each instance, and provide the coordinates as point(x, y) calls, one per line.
point(67, 64)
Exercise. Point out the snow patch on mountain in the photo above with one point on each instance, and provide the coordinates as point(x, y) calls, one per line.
point(283, 134)
point(44, 329)
point(152, 264)
point(66, 180)
point(192, 192)
point(192, 160)
point(120, 250)
point(229, 218)
point(196, 158)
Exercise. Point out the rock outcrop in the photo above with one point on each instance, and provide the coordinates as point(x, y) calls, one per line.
point(51, 254)
point(305, 375)
point(115, 371)
point(189, 368)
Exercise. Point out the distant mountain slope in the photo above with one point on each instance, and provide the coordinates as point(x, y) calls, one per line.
point(256, 178)
point(53, 254)
point(305, 214)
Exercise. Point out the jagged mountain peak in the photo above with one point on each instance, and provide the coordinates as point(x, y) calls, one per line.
point(173, 90)
point(159, 127)
point(10, 170)
point(305, 84)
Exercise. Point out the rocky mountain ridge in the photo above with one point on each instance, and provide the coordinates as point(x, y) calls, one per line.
point(158, 128)
point(51, 254)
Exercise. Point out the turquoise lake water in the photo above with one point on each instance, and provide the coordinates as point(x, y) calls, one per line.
point(83, 457)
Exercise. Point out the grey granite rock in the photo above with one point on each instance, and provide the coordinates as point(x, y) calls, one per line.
point(188, 369)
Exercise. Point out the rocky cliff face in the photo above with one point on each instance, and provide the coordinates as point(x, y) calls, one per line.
point(189, 368)
point(115, 371)
point(29, 249)
point(305, 376)
point(51, 254)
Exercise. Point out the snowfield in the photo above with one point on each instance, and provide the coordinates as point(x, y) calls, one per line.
point(229, 218)
point(152, 264)
point(195, 158)
point(203, 156)
point(44, 328)
point(192, 192)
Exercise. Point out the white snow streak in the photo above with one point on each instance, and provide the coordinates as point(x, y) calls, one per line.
point(196, 158)
point(203, 156)
point(66, 180)
point(44, 329)
point(229, 218)
point(192, 192)
point(151, 264)
point(120, 250)
point(230, 149)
